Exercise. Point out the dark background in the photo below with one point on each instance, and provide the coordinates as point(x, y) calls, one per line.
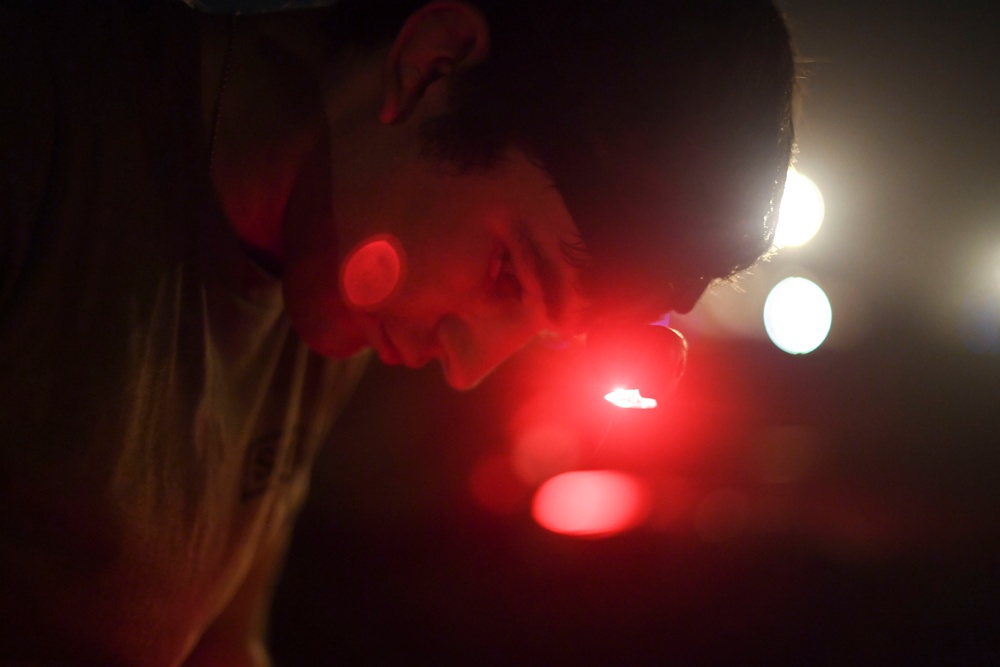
point(829, 509)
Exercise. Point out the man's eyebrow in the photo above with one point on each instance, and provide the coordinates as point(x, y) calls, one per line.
point(545, 272)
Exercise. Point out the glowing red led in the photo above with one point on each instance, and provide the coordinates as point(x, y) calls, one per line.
point(591, 503)
point(373, 271)
point(629, 398)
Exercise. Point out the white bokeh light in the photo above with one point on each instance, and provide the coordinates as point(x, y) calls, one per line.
point(800, 213)
point(797, 315)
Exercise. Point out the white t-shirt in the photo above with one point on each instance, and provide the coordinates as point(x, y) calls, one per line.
point(158, 416)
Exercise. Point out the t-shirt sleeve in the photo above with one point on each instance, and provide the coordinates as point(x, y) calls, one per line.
point(26, 137)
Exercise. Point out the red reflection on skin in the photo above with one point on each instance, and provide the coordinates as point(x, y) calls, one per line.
point(629, 398)
point(592, 503)
point(373, 271)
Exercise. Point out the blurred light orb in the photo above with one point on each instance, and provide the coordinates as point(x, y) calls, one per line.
point(979, 326)
point(722, 516)
point(494, 485)
point(629, 398)
point(801, 211)
point(797, 315)
point(544, 448)
point(591, 503)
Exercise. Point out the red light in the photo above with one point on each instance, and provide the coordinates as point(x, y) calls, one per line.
point(629, 357)
point(494, 485)
point(373, 271)
point(593, 503)
point(629, 398)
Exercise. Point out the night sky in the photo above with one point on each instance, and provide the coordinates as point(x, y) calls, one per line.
point(834, 508)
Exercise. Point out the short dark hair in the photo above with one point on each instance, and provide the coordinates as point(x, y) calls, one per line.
point(666, 125)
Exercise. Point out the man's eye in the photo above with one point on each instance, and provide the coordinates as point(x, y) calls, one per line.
point(506, 284)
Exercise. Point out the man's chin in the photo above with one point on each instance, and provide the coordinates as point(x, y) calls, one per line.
point(462, 381)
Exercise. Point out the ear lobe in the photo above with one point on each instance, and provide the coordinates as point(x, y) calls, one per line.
point(436, 41)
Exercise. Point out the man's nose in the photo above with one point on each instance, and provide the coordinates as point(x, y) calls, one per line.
point(473, 347)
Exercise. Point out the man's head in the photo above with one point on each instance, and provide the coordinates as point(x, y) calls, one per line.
point(664, 127)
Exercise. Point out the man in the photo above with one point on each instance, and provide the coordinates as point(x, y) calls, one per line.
point(192, 205)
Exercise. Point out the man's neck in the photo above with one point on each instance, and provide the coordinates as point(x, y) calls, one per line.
point(263, 116)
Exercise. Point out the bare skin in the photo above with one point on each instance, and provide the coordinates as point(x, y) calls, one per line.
point(315, 154)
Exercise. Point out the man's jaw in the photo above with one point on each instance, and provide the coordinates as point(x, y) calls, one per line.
point(393, 353)
point(385, 348)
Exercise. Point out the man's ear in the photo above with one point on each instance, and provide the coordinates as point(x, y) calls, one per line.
point(436, 40)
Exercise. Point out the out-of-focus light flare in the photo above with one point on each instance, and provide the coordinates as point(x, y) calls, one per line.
point(801, 211)
point(545, 448)
point(797, 315)
point(494, 485)
point(721, 516)
point(979, 325)
point(591, 503)
point(629, 398)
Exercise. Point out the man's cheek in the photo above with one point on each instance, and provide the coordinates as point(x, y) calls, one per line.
point(373, 273)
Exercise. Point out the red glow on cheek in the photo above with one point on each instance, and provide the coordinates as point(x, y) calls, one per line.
point(593, 503)
point(373, 271)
